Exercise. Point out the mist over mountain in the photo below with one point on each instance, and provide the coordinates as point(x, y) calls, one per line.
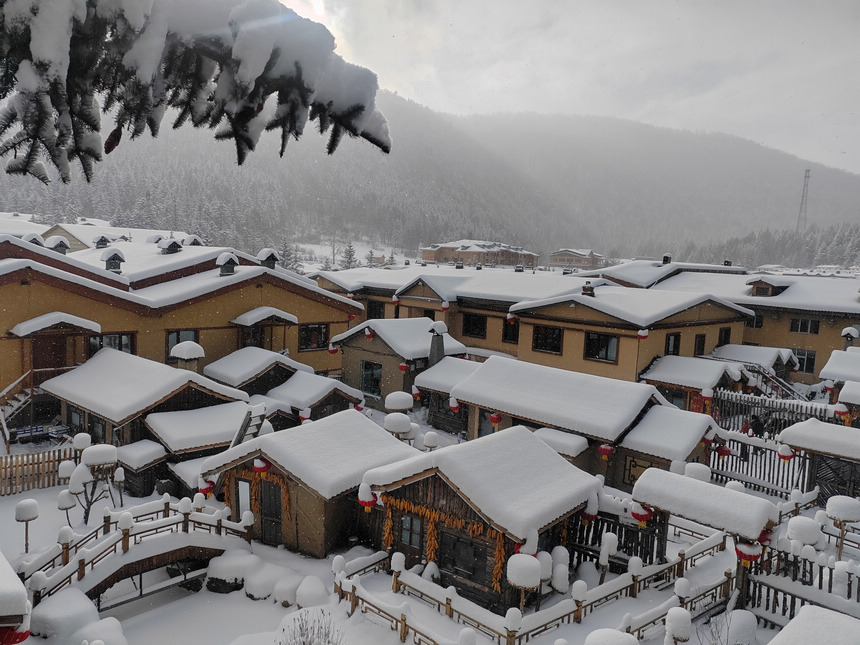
point(545, 182)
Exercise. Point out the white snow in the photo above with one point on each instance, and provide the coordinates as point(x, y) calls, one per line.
point(564, 443)
point(26, 510)
point(96, 385)
point(690, 371)
point(63, 614)
point(805, 530)
point(408, 337)
point(812, 624)
point(329, 455)
point(246, 364)
point(99, 455)
point(842, 366)
point(187, 350)
point(186, 430)
point(825, 438)
point(140, 454)
point(510, 477)
point(399, 400)
point(606, 636)
point(445, 374)
point(594, 406)
point(523, 571)
point(305, 389)
point(767, 357)
point(731, 511)
point(850, 393)
point(668, 433)
point(55, 318)
point(259, 314)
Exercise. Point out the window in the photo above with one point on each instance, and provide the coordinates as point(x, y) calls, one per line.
point(547, 339)
point(762, 290)
point(601, 347)
point(673, 344)
point(804, 325)
point(76, 419)
point(375, 309)
point(511, 331)
point(179, 336)
point(429, 313)
point(371, 378)
point(463, 557)
point(410, 531)
point(724, 337)
point(806, 360)
point(754, 323)
point(475, 325)
point(313, 337)
point(699, 345)
point(122, 342)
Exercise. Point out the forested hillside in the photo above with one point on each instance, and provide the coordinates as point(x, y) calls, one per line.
point(545, 182)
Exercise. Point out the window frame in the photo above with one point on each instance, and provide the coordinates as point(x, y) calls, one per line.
point(130, 336)
point(699, 344)
point(542, 342)
point(365, 370)
point(195, 333)
point(805, 326)
point(375, 310)
point(511, 331)
point(724, 336)
point(805, 360)
point(591, 336)
point(474, 325)
point(321, 343)
point(672, 346)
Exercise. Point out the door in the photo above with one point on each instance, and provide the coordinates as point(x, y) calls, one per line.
point(270, 513)
point(411, 543)
point(49, 352)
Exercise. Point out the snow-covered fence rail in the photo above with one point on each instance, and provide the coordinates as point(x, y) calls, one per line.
point(30, 471)
point(366, 564)
point(777, 600)
point(756, 463)
point(733, 409)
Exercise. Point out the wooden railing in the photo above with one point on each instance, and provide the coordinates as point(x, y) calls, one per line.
point(30, 471)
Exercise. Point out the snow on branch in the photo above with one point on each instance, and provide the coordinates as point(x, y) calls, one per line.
point(216, 62)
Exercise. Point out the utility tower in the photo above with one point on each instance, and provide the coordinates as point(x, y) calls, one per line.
point(801, 216)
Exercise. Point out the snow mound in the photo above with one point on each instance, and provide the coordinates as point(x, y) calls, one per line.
point(312, 593)
point(63, 614)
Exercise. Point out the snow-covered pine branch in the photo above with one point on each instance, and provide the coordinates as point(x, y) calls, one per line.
point(216, 62)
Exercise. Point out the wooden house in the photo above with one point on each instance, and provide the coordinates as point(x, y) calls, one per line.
point(435, 384)
point(14, 605)
point(254, 370)
point(468, 507)
point(384, 356)
point(778, 361)
point(301, 483)
point(841, 368)
point(849, 396)
point(479, 252)
point(689, 382)
point(314, 397)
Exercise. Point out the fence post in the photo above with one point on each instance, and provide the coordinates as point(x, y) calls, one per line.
point(165, 513)
point(681, 568)
point(577, 613)
point(634, 586)
point(125, 534)
point(404, 628)
point(185, 517)
point(65, 553)
point(218, 525)
point(395, 583)
point(449, 610)
point(106, 522)
point(37, 597)
point(82, 568)
point(510, 637)
point(353, 601)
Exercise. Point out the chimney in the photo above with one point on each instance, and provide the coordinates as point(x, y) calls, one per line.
point(113, 258)
point(727, 263)
point(101, 242)
point(667, 258)
point(437, 343)
point(588, 289)
point(268, 258)
point(227, 262)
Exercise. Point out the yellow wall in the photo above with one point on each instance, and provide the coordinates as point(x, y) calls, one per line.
point(358, 349)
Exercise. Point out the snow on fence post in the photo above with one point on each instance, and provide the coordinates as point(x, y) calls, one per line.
point(64, 537)
point(185, 509)
point(125, 524)
point(82, 567)
point(579, 593)
point(681, 567)
point(106, 516)
point(398, 563)
point(165, 513)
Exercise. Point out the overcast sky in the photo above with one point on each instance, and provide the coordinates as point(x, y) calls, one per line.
point(783, 73)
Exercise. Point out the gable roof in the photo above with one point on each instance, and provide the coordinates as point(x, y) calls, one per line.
point(409, 338)
point(511, 478)
point(668, 433)
point(823, 438)
point(304, 389)
point(758, 354)
point(329, 456)
point(244, 365)
point(445, 374)
point(118, 386)
point(841, 366)
point(54, 319)
point(691, 371)
point(647, 273)
point(187, 430)
point(594, 406)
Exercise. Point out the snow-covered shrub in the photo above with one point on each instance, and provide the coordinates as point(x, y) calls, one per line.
point(310, 628)
point(260, 584)
point(468, 636)
point(285, 588)
point(607, 636)
point(311, 593)
point(62, 614)
point(26, 510)
point(678, 626)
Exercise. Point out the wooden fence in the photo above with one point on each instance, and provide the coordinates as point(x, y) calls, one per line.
point(732, 409)
point(34, 470)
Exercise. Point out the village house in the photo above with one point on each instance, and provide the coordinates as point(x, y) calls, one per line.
point(690, 382)
point(469, 507)
point(576, 259)
point(384, 356)
point(474, 252)
point(82, 234)
point(254, 370)
point(843, 366)
point(301, 483)
point(434, 387)
point(62, 310)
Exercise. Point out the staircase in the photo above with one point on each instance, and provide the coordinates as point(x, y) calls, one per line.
point(770, 384)
point(13, 400)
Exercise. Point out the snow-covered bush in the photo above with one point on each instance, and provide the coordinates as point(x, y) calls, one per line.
point(310, 628)
point(311, 593)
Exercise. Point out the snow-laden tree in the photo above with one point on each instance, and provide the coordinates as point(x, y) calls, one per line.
point(347, 257)
point(215, 61)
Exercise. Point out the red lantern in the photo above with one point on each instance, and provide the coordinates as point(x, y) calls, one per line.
point(587, 518)
point(445, 305)
point(747, 552)
point(262, 465)
point(8, 636)
point(416, 393)
point(784, 452)
point(764, 537)
point(707, 442)
point(357, 407)
point(403, 367)
point(495, 418)
point(395, 300)
point(707, 394)
point(454, 404)
point(605, 451)
point(368, 333)
point(368, 504)
point(332, 349)
point(723, 451)
point(208, 488)
point(511, 318)
point(350, 295)
point(350, 317)
point(641, 514)
point(840, 410)
point(642, 334)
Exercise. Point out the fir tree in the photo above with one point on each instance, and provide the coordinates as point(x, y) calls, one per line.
point(347, 257)
point(60, 58)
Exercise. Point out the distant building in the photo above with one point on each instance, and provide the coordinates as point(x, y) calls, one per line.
point(576, 259)
point(475, 251)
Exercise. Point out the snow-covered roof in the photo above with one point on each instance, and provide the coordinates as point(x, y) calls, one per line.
point(721, 508)
point(244, 365)
point(187, 350)
point(186, 430)
point(690, 371)
point(117, 386)
point(758, 354)
point(19, 224)
point(668, 433)
point(805, 293)
point(478, 245)
point(272, 405)
point(512, 478)
point(590, 405)
point(564, 443)
point(841, 366)
point(580, 252)
point(408, 337)
point(260, 314)
point(639, 307)
point(140, 454)
point(850, 393)
point(825, 438)
point(13, 594)
point(46, 321)
point(445, 374)
point(814, 624)
point(188, 471)
point(86, 233)
point(647, 273)
point(329, 455)
point(304, 389)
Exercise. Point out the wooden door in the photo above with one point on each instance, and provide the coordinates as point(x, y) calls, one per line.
point(411, 539)
point(270, 513)
point(49, 352)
